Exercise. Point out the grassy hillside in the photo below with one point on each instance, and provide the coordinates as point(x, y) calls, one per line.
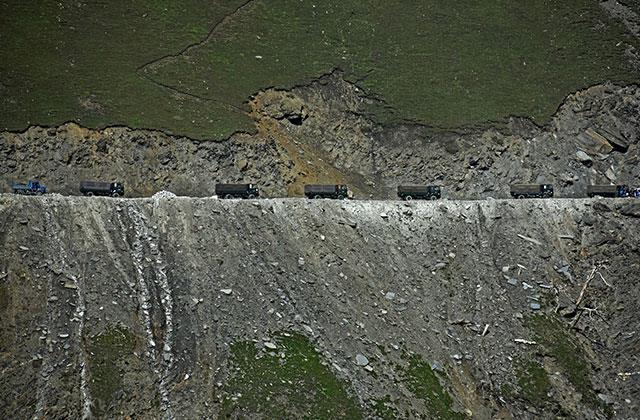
point(443, 63)
point(71, 60)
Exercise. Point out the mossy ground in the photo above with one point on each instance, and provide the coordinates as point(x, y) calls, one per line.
point(383, 408)
point(556, 339)
point(289, 382)
point(533, 382)
point(106, 351)
point(424, 383)
point(435, 62)
point(79, 61)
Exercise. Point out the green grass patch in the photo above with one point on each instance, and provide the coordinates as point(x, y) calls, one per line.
point(78, 61)
point(424, 383)
point(431, 61)
point(298, 385)
point(533, 382)
point(557, 340)
point(507, 390)
point(384, 409)
point(107, 350)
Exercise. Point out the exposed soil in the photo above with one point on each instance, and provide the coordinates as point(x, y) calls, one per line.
point(319, 133)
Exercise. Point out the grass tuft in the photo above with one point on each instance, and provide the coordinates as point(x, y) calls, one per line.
point(424, 383)
point(533, 382)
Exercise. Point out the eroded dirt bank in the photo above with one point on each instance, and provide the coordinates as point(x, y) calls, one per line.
point(194, 308)
point(321, 133)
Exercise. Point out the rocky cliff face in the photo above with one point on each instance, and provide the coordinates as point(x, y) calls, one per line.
point(184, 307)
point(320, 133)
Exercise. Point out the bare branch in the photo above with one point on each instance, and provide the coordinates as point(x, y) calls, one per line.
point(603, 280)
point(586, 283)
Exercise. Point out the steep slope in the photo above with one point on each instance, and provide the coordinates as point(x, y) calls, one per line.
point(195, 308)
point(318, 133)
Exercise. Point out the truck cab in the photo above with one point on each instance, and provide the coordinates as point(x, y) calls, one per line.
point(624, 191)
point(117, 189)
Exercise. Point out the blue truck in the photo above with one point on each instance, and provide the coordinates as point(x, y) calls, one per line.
point(30, 188)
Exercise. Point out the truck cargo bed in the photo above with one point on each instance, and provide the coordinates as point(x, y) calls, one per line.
point(607, 190)
point(95, 186)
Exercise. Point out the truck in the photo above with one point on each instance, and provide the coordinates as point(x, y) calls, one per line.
point(237, 191)
point(337, 191)
point(30, 188)
point(110, 189)
point(419, 192)
point(532, 190)
point(609, 190)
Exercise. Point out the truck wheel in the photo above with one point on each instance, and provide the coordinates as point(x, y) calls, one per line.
point(408, 198)
point(317, 197)
point(89, 194)
point(251, 196)
point(228, 196)
point(433, 197)
point(115, 195)
point(520, 197)
point(38, 192)
point(340, 197)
